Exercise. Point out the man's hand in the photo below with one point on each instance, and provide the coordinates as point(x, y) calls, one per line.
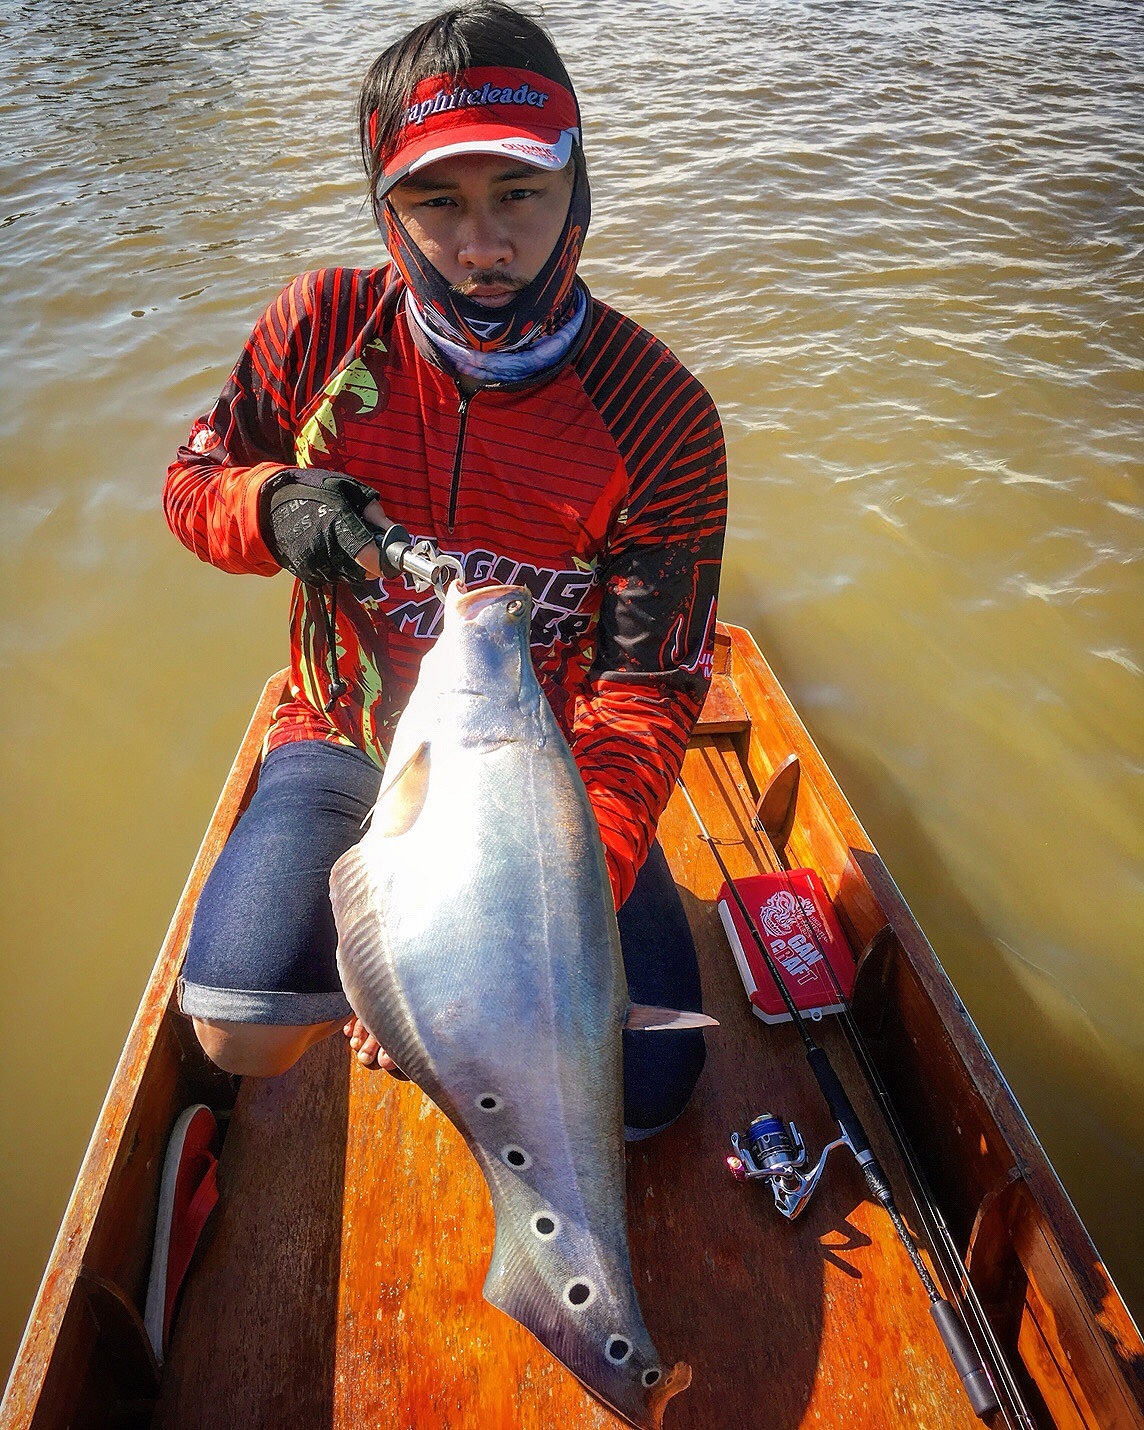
point(369, 556)
point(315, 524)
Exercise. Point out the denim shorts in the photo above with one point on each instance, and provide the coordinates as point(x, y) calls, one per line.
point(263, 943)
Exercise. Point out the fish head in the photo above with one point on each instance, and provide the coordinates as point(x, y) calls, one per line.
point(481, 665)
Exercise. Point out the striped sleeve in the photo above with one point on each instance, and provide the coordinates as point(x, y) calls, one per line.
point(661, 580)
point(213, 488)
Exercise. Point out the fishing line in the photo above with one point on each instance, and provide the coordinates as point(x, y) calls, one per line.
point(962, 1351)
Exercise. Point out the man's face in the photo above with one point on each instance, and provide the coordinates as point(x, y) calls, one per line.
point(486, 223)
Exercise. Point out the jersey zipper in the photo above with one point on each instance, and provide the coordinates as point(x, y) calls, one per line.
point(458, 455)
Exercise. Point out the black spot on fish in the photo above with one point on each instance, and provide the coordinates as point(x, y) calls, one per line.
point(650, 1377)
point(516, 1157)
point(544, 1226)
point(579, 1292)
point(489, 1102)
point(618, 1349)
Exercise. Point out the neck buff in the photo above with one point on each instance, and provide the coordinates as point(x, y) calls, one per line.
point(516, 366)
point(538, 310)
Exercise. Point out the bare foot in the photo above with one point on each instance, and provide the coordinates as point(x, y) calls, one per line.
point(368, 1050)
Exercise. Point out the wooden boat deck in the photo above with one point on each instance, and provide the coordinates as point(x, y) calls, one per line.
point(331, 1166)
point(339, 1283)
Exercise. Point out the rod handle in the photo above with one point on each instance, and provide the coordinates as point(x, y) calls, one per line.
point(966, 1361)
point(836, 1099)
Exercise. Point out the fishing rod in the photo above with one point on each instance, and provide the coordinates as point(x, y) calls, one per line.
point(925, 1203)
point(773, 1152)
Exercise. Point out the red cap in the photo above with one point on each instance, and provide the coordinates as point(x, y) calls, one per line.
point(513, 112)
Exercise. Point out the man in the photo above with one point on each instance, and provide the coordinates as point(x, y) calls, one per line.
point(476, 393)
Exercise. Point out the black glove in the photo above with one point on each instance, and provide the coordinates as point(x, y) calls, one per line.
point(312, 522)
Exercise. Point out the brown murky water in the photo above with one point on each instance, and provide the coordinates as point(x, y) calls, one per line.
point(902, 245)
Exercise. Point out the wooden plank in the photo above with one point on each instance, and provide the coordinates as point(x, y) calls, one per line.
point(723, 711)
point(1057, 1337)
point(253, 1343)
point(417, 1344)
point(951, 1127)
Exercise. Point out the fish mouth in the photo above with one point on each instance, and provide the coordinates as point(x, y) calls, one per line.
point(469, 604)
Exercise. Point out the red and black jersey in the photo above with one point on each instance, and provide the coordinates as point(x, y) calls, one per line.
point(601, 488)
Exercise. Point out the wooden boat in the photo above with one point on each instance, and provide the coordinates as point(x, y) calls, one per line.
point(338, 1283)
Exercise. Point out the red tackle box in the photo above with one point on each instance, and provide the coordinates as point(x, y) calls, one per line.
point(801, 931)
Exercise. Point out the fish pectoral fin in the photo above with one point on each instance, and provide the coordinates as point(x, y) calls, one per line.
point(644, 1019)
point(402, 800)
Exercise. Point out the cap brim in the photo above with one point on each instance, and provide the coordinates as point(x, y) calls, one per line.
point(541, 153)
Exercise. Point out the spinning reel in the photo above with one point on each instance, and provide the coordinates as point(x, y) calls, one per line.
point(774, 1150)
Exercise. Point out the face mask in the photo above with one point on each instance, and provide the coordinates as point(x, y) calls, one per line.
point(540, 308)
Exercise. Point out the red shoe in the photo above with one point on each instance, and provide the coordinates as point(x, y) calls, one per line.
point(187, 1196)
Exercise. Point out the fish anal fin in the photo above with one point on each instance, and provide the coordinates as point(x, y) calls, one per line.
point(644, 1019)
point(403, 798)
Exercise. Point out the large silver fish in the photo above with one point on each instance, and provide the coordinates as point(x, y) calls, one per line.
point(478, 943)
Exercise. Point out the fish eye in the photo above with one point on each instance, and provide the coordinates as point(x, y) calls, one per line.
point(650, 1377)
point(490, 1102)
point(579, 1292)
point(545, 1225)
point(514, 608)
point(516, 1157)
point(618, 1349)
